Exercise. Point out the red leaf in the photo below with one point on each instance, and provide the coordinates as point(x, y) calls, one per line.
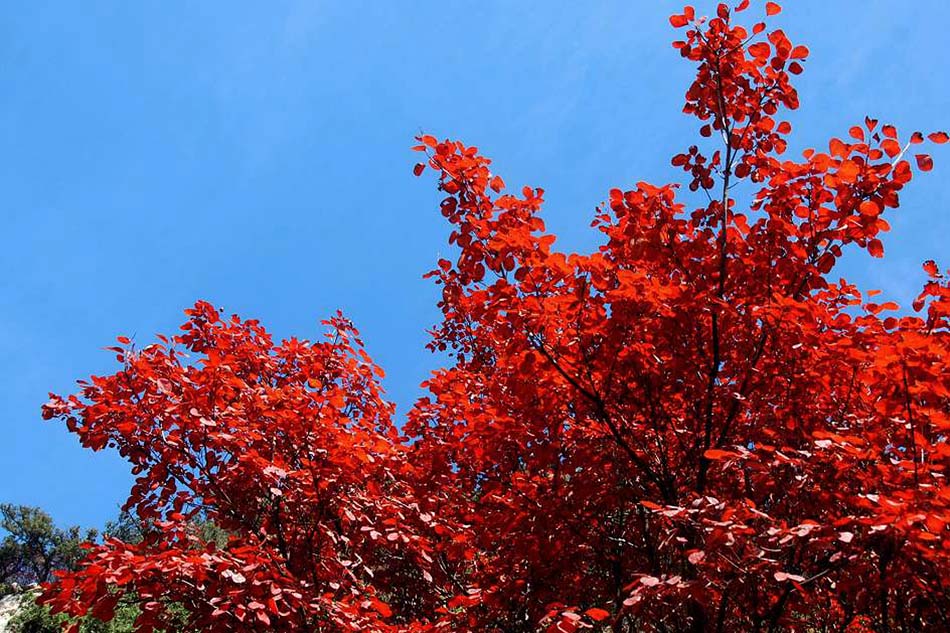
point(924, 162)
point(930, 267)
point(939, 137)
point(678, 21)
point(760, 50)
point(772, 8)
point(838, 148)
point(715, 453)
point(799, 52)
point(596, 614)
point(856, 133)
point(382, 608)
point(848, 171)
point(876, 248)
point(418, 168)
point(891, 147)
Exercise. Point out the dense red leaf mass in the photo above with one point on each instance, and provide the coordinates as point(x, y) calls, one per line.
point(695, 427)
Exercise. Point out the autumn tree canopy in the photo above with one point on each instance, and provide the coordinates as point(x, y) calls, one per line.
point(699, 426)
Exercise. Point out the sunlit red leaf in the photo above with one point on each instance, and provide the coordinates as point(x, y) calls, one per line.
point(849, 170)
point(678, 21)
point(838, 148)
point(869, 207)
point(760, 50)
point(597, 614)
point(715, 454)
point(891, 147)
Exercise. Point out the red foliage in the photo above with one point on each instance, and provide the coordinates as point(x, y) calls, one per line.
point(288, 448)
point(693, 428)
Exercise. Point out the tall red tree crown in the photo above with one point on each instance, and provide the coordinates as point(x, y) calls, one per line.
point(698, 426)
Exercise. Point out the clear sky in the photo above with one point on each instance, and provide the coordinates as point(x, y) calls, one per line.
point(256, 154)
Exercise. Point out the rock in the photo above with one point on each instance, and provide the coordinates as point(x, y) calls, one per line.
point(9, 605)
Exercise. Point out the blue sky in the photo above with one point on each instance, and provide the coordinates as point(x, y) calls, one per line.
point(257, 155)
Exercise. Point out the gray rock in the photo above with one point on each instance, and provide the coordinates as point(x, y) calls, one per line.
point(10, 604)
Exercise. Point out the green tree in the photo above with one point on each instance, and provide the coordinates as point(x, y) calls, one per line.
point(34, 618)
point(34, 547)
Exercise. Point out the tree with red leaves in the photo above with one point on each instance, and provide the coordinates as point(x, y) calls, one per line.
point(693, 428)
